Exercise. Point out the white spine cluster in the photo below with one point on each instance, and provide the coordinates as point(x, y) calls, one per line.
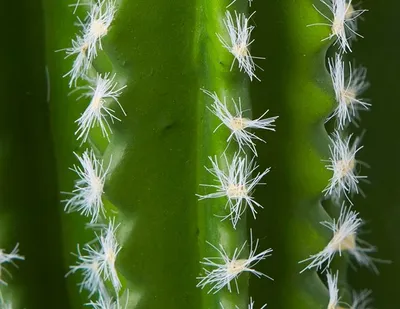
point(100, 91)
point(97, 24)
point(86, 44)
point(343, 23)
point(347, 91)
point(345, 179)
point(224, 269)
point(239, 125)
point(344, 238)
point(234, 178)
point(239, 42)
point(236, 185)
point(96, 260)
point(97, 263)
point(87, 194)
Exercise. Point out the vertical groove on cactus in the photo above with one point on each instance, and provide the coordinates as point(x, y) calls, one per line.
point(28, 192)
point(304, 100)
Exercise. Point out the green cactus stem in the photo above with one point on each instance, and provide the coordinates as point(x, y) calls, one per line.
point(183, 154)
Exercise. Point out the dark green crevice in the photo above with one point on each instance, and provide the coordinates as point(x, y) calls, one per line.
point(269, 94)
point(295, 86)
point(29, 188)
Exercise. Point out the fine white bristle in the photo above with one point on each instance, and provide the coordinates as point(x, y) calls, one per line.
point(239, 125)
point(251, 305)
point(239, 42)
point(225, 269)
point(75, 5)
point(347, 91)
point(236, 183)
point(8, 258)
point(101, 91)
point(332, 281)
point(345, 238)
point(88, 190)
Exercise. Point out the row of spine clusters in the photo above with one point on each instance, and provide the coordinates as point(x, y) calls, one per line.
point(348, 83)
point(235, 175)
point(95, 259)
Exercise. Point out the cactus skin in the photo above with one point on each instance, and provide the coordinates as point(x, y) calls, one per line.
point(157, 198)
point(165, 56)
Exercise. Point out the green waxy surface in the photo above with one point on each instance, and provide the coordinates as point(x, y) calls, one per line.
point(153, 182)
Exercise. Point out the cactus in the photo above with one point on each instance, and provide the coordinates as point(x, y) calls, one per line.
point(197, 154)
